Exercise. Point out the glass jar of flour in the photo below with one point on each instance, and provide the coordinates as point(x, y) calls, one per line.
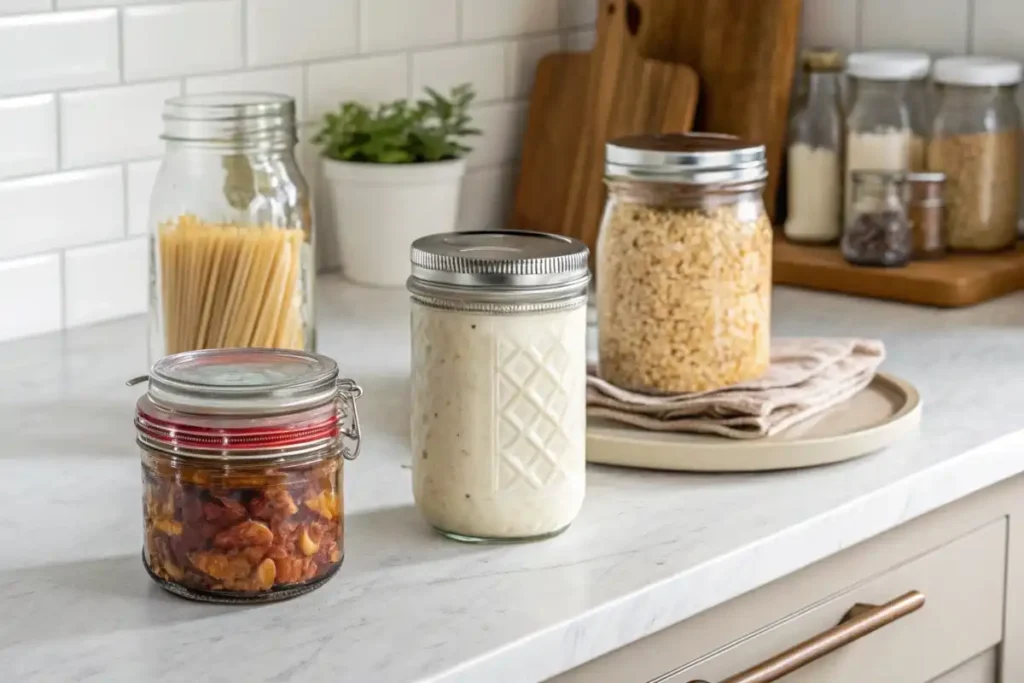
point(499, 324)
point(885, 125)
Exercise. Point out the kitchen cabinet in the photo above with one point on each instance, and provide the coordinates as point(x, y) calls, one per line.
point(966, 560)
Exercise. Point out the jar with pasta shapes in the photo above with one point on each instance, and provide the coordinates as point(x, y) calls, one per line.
point(242, 460)
point(230, 219)
point(684, 259)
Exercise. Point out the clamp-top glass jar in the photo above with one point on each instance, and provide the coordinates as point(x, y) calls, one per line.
point(232, 255)
point(684, 264)
point(499, 324)
point(242, 454)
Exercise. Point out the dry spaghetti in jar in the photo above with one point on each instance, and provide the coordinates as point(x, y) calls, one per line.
point(231, 225)
point(683, 264)
point(242, 461)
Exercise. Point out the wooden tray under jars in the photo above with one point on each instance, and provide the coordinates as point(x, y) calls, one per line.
point(954, 281)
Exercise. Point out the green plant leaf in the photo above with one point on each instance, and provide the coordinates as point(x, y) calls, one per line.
point(400, 132)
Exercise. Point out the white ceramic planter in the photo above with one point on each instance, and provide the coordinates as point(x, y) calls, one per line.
point(377, 210)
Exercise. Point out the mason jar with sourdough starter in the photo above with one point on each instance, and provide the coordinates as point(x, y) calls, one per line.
point(242, 457)
point(499, 324)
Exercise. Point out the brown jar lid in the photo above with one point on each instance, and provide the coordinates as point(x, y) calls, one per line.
point(822, 59)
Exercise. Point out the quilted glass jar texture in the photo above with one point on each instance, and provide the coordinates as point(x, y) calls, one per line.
point(499, 396)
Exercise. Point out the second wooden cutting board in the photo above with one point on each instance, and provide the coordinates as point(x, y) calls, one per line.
point(580, 101)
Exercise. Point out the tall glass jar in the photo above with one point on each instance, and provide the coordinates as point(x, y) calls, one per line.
point(242, 454)
point(232, 234)
point(976, 143)
point(684, 264)
point(815, 154)
point(887, 100)
point(499, 324)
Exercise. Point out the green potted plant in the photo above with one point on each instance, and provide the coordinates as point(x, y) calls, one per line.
point(394, 174)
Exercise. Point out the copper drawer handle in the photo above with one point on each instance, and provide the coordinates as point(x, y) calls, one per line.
point(857, 623)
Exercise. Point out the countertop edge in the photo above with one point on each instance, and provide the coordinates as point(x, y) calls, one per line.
point(574, 642)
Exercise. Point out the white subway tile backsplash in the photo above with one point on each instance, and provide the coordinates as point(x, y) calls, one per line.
point(141, 178)
point(579, 41)
point(105, 281)
point(486, 198)
point(282, 31)
point(521, 62)
point(502, 126)
point(999, 28)
point(285, 81)
point(28, 135)
point(938, 26)
point(24, 6)
point(398, 24)
point(43, 52)
point(113, 124)
point(182, 38)
point(493, 18)
point(482, 65)
point(61, 210)
point(77, 4)
point(830, 23)
point(366, 79)
point(578, 12)
point(30, 296)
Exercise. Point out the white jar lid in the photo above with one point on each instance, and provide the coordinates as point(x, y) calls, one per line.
point(982, 71)
point(888, 66)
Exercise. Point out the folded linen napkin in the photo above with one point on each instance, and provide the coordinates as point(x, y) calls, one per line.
point(806, 377)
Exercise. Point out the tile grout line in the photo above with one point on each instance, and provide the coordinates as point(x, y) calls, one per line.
point(859, 33)
point(244, 30)
point(972, 8)
point(120, 45)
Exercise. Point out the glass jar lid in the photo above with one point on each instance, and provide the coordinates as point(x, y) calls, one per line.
point(499, 266)
point(888, 66)
point(977, 71)
point(693, 158)
point(245, 119)
point(251, 403)
point(243, 381)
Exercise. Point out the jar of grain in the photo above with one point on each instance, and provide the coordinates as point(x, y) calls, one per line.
point(976, 143)
point(230, 220)
point(499, 365)
point(684, 262)
point(884, 127)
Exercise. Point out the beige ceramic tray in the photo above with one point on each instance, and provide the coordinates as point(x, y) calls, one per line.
point(888, 409)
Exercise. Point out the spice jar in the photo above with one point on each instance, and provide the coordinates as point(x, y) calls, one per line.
point(926, 214)
point(815, 153)
point(230, 219)
point(684, 260)
point(242, 453)
point(887, 100)
point(878, 233)
point(977, 138)
point(499, 323)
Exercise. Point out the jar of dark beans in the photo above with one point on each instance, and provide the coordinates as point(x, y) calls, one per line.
point(878, 232)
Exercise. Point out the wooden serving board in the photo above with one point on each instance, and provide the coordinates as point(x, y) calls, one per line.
point(744, 52)
point(579, 102)
point(957, 280)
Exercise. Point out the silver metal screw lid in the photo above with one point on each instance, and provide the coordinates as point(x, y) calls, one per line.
point(499, 266)
point(693, 158)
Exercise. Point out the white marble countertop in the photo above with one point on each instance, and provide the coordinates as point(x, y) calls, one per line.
point(649, 549)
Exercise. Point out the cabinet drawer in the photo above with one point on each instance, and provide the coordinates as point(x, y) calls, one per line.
point(963, 583)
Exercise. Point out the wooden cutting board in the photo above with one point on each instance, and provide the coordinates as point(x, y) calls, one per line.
point(957, 280)
point(581, 100)
point(745, 53)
